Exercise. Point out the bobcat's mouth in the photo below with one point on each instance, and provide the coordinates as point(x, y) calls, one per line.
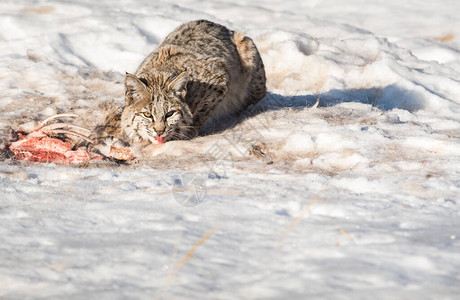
point(164, 136)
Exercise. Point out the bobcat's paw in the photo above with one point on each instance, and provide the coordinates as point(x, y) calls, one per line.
point(114, 148)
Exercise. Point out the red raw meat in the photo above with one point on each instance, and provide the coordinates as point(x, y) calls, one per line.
point(39, 146)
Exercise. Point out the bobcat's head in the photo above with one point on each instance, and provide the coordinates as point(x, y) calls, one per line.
point(155, 107)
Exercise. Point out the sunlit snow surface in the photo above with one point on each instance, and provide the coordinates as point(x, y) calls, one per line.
point(355, 199)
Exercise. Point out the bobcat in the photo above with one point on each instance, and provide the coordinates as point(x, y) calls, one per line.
point(201, 71)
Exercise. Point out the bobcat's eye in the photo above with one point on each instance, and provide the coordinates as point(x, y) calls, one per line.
point(147, 115)
point(170, 113)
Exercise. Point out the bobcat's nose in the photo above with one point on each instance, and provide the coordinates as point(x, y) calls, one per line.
point(159, 128)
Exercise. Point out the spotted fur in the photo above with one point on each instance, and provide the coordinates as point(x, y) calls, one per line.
point(201, 71)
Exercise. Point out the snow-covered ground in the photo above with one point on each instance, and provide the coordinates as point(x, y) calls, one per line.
point(357, 198)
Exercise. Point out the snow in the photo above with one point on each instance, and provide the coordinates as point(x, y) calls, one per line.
point(356, 198)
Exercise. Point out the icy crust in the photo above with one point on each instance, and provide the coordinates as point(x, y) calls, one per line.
point(356, 197)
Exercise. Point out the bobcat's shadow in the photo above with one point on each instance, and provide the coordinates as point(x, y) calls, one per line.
point(385, 99)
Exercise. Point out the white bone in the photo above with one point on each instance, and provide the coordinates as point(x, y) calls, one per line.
point(43, 123)
point(65, 126)
point(83, 137)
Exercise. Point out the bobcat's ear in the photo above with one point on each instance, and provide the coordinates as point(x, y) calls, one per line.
point(179, 84)
point(135, 88)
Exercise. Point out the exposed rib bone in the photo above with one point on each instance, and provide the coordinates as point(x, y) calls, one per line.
point(65, 126)
point(43, 123)
point(83, 137)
